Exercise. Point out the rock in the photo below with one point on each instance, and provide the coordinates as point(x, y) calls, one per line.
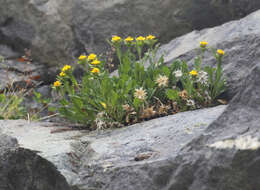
point(216, 148)
point(23, 169)
point(56, 31)
point(82, 157)
point(20, 74)
point(226, 156)
point(241, 46)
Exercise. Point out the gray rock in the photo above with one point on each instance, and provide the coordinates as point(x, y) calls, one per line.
point(23, 169)
point(239, 39)
point(81, 157)
point(38, 137)
point(58, 30)
point(226, 154)
point(20, 74)
point(215, 148)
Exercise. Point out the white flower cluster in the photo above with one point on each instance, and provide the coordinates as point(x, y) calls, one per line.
point(178, 74)
point(162, 81)
point(190, 103)
point(140, 94)
point(203, 77)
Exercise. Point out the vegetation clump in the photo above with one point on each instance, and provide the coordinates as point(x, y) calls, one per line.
point(136, 93)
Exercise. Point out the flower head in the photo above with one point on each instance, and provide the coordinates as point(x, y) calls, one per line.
point(66, 67)
point(103, 104)
point(150, 37)
point(220, 52)
point(193, 73)
point(95, 62)
point(183, 94)
point(57, 83)
point(140, 93)
point(82, 57)
point(95, 70)
point(92, 57)
point(203, 44)
point(129, 39)
point(162, 81)
point(62, 74)
point(140, 38)
point(190, 103)
point(203, 77)
point(178, 74)
point(116, 39)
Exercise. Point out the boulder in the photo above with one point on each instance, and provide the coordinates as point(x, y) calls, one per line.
point(223, 156)
point(58, 30)
point(215, 148)
point(86, 158)
point(226, 154)
point(24, 170)
point(241, 46)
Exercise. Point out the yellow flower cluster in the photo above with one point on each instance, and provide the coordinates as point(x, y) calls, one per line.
point(220, 52)
point(66, 67)
point(150, 37)
point(203, 44)
point(62, 74)
point(140, 38)
point(103, 104)
point(82, 57)
point(57, 83)
point(129, 39)
point(95, 70)
point(92, 57)
point(193, 73)
point(116, 39)
point(95, 62)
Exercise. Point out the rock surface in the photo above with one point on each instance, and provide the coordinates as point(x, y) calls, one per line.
point(79, 155)
point(23, 169)
point(210, 149)
point(239, 39)
point(226, 154)
point(58, 30)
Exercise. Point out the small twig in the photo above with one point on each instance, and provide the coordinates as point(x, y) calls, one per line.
point(47, 117)
point(28, 118)
point(158, 100)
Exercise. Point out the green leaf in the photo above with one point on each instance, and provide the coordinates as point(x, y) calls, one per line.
point(172, 94)
point(166, 71)
point(137, 103)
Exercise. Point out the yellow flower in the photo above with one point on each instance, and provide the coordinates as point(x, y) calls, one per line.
point(66, 67)
point(203, 44)
point(140, 38)
point(62, 74)
point(57, 83)
point(150, 37)
point(95, 62)
point(82, 57)
point(95, 70)
point(116, 39)
point(92, 56)
point(193, 73)
point(129, 39)
point(220, 52)
point(103, 104)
